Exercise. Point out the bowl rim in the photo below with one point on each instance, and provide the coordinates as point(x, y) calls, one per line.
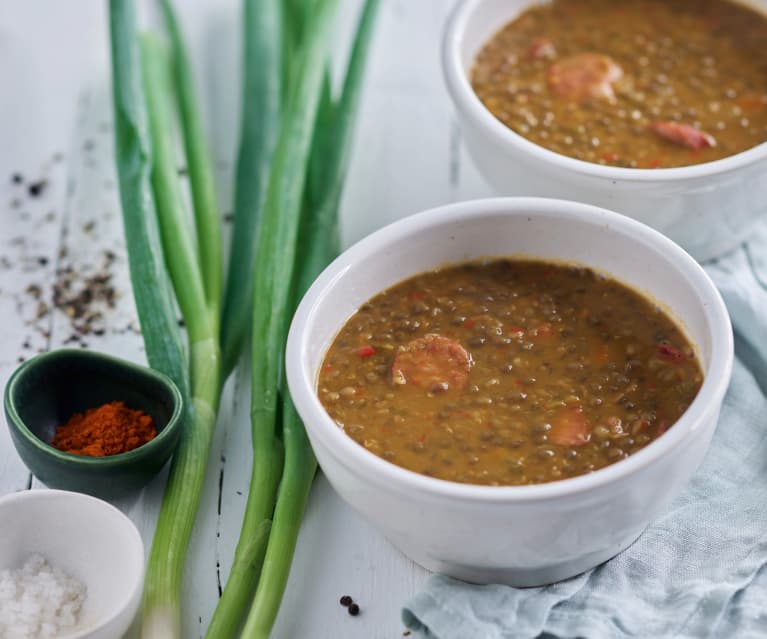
point(467, 102)
point(133, 534)
point(319, 425)
point(119, 460)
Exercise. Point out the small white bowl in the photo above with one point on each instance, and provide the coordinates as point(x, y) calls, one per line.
point(89, 540)
point(707, 208)
point(521, 535)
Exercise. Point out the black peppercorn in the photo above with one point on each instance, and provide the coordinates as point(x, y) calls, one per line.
point(346, 601)
point(354, 609)
point(36, 188)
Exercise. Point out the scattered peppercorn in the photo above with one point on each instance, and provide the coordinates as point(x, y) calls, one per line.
point(354, 609)
point(37, 188)
point(346, 601)
point(16, 178)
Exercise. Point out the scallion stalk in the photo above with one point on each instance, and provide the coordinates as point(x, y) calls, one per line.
point(162, 592)
point(318, 243)
point(260, 117)
point(180, 252)
point(149, 260)
point(275, 259)
point(300, 467)
point(151, 287)
point(261, 100)
point(306, 166)
point(200, 170)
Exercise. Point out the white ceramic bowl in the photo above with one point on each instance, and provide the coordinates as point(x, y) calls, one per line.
point(522, 535)
point(89, 540)
point(708, 208)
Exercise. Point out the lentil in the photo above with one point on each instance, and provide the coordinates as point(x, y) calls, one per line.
point(515, 412)
point(637, 83)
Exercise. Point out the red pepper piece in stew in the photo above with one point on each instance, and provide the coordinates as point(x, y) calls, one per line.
point(670, 353)
point(570, 428)
point(543, 333)
point(684, 135)
point(751, 101)
point(433, 362)
point(584, 76)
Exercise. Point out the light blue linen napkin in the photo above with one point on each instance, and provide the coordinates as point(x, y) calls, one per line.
point(699, 570)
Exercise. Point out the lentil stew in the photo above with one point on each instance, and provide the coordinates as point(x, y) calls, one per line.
point(636, 83)
point(508, 372)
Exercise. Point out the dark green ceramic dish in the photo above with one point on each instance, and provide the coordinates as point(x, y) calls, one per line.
point(48, 389)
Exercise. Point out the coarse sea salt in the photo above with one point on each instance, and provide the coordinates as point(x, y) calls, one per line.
point(38, 601)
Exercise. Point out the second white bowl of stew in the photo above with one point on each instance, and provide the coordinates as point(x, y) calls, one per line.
point(511, 389)
point(654, 108)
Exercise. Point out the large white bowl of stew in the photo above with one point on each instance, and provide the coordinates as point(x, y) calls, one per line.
point(506, 497)
point(655, 109)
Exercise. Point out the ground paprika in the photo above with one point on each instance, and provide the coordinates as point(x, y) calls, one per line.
point(109, 429)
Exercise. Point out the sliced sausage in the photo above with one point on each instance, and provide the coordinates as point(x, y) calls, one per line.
point(569, 427)
point(584, 76)
point(684, 135)
point(433, 362)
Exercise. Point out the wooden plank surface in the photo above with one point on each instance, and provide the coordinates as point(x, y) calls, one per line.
point(56, 127)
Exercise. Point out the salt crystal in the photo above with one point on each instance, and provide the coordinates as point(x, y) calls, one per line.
point(38, 601)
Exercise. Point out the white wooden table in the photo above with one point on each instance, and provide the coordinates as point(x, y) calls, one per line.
point(55, 125)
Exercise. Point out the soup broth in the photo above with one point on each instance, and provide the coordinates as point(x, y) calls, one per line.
point(508, 372)
point(635, 83)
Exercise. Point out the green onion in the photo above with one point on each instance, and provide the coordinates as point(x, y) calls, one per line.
point(182, 494)
point(297, 21)
point(180, 251)
point(249, 554)
point(258, 133)
point(199, 166)
point(151, 287)
point(275, 257)
point(276, 252)
point(330, 159)
point(135, 156)
point(288, 190)
point(300, 467)
point(162, 591)
point(318, 243)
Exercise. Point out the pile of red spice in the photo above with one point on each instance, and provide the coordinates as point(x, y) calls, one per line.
point(109, 429)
